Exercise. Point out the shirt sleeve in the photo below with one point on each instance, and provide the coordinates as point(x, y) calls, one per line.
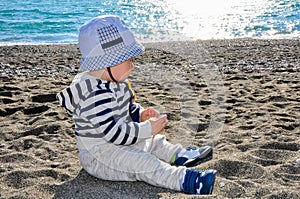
point(135, 111)
point(110, 118)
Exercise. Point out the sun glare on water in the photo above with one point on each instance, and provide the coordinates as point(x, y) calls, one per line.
point(202, 19)
point(199, 7)
point(197, 14)
point(209, 19)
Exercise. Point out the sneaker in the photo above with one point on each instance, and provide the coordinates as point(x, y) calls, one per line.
point(193, 156)
point(198, 181)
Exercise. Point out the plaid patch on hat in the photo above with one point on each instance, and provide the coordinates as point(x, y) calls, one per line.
point(109, 36)
point(106, 41)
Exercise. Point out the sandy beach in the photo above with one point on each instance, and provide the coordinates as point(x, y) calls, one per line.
point(240, 96)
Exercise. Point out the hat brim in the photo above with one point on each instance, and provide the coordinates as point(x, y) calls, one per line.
point(112, 58)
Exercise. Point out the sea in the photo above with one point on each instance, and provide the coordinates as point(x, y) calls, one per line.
point(58, 21)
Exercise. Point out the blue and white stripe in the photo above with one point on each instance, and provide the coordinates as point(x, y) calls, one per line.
point(102, 110)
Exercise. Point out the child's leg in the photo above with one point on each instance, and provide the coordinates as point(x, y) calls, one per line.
point(160, 147)
point(129, 163)
point(175, 154)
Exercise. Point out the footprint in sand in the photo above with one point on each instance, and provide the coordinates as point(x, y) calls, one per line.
point(22, 179)
point(5, 100)
point(239, 170)
point(288, 173)
point(268, 157)
point(44, 98)
point(9, 111)
point(271, 153)
point(35, 109)
point(236, 177)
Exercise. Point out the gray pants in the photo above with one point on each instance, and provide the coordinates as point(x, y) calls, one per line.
point(146, 161)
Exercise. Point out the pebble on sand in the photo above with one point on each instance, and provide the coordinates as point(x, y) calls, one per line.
point(255, 136)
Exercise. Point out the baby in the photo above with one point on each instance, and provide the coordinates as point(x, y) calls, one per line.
point(117, 138)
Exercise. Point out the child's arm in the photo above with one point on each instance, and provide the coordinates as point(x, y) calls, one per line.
point(108, 116)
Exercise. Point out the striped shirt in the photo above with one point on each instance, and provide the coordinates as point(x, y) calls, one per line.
point(104, 110)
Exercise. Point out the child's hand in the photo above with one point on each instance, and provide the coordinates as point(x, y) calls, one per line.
point(149, 113)
point(158, 123)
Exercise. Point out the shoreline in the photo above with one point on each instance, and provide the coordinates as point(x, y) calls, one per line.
point(241, 96)
point(149, 42)
point(296, 39)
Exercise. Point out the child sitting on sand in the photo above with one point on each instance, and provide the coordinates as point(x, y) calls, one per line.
point(118, 139)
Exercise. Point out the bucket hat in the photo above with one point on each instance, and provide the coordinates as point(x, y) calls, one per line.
point(106, 41)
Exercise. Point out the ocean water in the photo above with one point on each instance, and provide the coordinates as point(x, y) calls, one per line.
point(58, 21)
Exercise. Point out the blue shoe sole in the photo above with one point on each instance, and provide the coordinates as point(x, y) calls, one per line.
point(208, 155)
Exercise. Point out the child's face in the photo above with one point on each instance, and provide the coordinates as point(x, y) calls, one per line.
point(122, 70)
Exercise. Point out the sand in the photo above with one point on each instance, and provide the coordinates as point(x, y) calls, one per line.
point(240, 96)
